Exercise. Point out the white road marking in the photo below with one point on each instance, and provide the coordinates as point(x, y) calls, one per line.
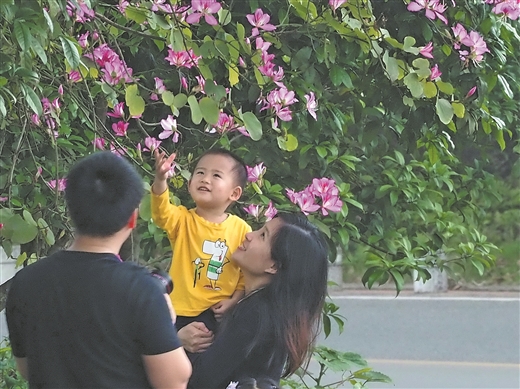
point(423, 298)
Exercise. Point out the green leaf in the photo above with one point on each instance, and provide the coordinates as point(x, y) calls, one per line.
point(338, 76)
point(408, 45)
point(28, 217)
point(38, 49)
point(429, 89)
point(392, 67)
point(3, 110)
point(505, 85)
point(445, 87)
point(458, 109)
point(291, 142)
point(196, 114)
point(168, 98)
point(21, 259)
point(71, 52)
point(48, 20)
point(414, 85)
point(32, 99)
point(444, 110)
point(22, 34)
point(209, 109)
point(253, 125)
point(19, 230)
point(138, 15)
point(180, 100)
point(134, 102)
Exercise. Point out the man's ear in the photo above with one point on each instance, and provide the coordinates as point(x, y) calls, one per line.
point(273, 269)
point(235, 195)
point(132, 222)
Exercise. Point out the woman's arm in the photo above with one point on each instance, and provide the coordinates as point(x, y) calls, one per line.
point(214, 367)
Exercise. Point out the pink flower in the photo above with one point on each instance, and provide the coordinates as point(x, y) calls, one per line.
point(82, 40)
point(151, 144)
point(186, 59)
point(122, 6)
point(270, 212)
point(39, 171)
point(335, 4)
point(435, 73)
point(253, 210)
point(159, 5)
point(477, 46)
point(306, 201)
point(60, 90)
point(330, 203)
point(99, 143)
point(433, 9)
point(426, 51)
point(159, 85)
point(508, 8)
point(118, 150)
point(322, 186)
point(75, 76)
point(259, 20)
point(460, 33)
point(59, 184)
point(120, 128)
point(471, 92)
point(184, 83)
point(312, 104)
point(255, 173)
point(118, 111)
point(203, 8)
point(169, 126)
point(81, 10)
point(3, 199)
point(35, 119)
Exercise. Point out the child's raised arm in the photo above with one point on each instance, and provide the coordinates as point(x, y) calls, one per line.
point(163, 165)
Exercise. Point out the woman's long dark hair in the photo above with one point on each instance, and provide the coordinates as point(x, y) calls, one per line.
point(298, 289)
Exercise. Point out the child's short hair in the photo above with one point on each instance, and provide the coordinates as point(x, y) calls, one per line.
point(102, 191)
point(239, 168)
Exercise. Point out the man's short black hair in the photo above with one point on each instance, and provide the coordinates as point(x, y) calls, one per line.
point(239, 169)
point(102, 191)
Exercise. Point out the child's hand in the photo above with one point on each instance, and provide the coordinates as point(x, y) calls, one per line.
point(220, 308)
point(163, 166)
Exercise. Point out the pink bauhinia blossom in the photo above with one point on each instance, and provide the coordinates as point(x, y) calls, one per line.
point(75, 76)
point(186, 59)
point(151, 144)
point(123, 4)
point(335, 4)
point(159, 85)
point(184, 83)
point(117, 149)
point(426, 51)
point(118, 111)
point(433, 9)
point(3, 199)
point(203, 8)
point(99, 143)
point(508, 8)
point(169, 126)
point(306, 201)
point(60, 90)
point(253, 210)
point(259, 20)
point(59, 184)
point(471, 92)
point(272, 71)
point(35, 119)
point(460, 33)
point(330, 203)
point(120, 128)
point(322, 186)
point(270, 212)
point(477, 46)
point(83, 40)
point(256, 172)
point(435, 73)
point(158, 5)
point(312, 104)
point(80, 10)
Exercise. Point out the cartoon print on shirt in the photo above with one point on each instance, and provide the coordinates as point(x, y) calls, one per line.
point(218, 251)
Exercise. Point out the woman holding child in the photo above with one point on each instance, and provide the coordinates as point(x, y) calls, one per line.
point(270, 332)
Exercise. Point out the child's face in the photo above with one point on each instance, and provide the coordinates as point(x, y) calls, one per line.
point(213, 183)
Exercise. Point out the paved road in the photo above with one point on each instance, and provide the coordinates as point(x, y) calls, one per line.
point(451, 340)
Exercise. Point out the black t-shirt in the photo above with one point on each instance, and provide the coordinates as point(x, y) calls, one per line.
point(84, 320)
point(243, 348)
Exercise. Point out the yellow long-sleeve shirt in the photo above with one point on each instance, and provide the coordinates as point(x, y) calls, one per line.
point(201, 269)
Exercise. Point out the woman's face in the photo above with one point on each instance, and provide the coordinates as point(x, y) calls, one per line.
point(254, 254)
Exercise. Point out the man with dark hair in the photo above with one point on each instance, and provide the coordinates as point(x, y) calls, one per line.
point(81, 318)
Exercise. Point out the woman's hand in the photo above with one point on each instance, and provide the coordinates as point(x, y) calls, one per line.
point(195, 337)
